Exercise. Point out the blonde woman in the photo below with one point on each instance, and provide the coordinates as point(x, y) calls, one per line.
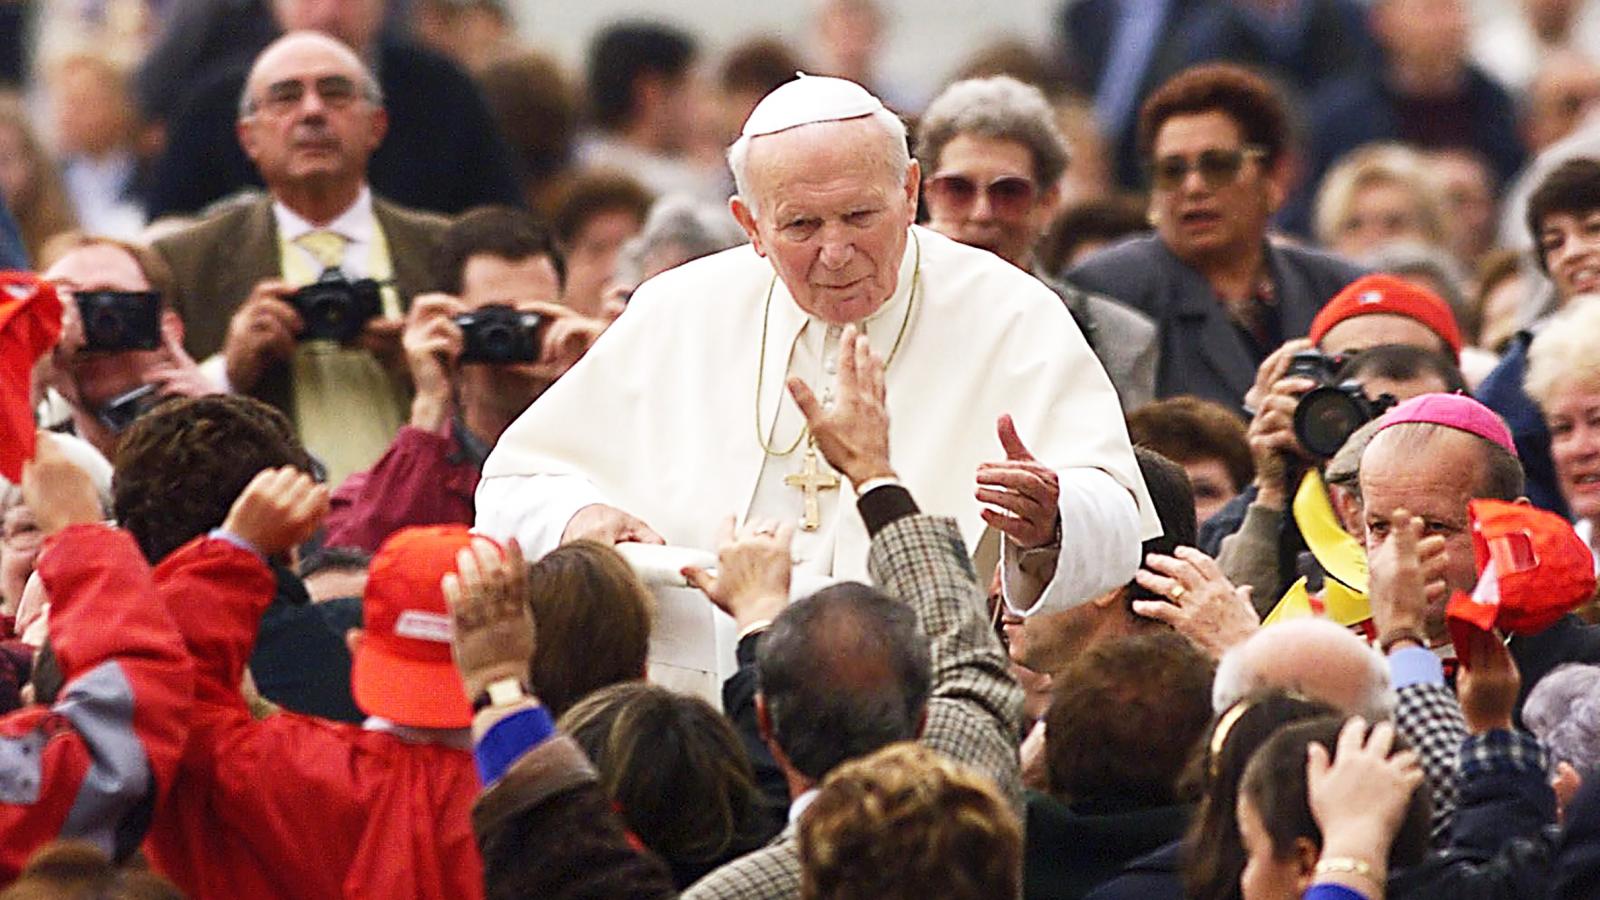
point(1564, 379)
point(1377, 194)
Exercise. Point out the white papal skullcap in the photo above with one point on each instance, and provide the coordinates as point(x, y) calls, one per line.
point(808, 99)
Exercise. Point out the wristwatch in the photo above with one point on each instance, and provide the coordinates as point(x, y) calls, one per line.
point(501, 693)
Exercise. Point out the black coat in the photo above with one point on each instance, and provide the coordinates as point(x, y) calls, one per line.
point(443, 153)
point(1070, 852)
point(1202, 352)
point(1154, 876)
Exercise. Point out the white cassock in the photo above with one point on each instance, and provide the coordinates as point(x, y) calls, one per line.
point(660, 418)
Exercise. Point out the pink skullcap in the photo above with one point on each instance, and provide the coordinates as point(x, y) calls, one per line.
point(1456, 411)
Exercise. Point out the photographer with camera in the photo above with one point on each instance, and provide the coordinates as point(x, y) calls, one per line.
point(121, 347)
point(478, 355)
point(1310, 396)
point(301, 294)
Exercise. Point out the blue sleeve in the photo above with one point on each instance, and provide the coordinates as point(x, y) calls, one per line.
point(1414, 665)
point(508, 739)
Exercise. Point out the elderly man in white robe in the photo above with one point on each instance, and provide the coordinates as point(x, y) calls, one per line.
point(689, 408)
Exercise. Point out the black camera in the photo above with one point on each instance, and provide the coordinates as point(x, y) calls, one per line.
point(1329, 413)
point(120, 411)
point(497, 335)
point(334, 308)
point(115, 321)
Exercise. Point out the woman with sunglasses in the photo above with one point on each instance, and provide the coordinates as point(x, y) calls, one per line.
point(1222, 294)
point(993, 158)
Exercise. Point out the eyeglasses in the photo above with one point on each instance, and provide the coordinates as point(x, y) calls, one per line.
point(1217, 168)
point(1009, 195)
point(282, 97)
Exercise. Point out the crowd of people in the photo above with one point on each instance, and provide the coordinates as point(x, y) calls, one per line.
point(1175, 469)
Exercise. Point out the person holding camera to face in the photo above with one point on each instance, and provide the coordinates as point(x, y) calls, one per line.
point(478, 355)
point(121, 347)
point(299, 297)
point(1379, 341)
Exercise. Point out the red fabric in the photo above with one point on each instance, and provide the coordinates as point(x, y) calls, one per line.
point(30, 323)
point(1543, 571)
point(1388, 294)
point(104, 612)
point(291, 806)
point(414, 483)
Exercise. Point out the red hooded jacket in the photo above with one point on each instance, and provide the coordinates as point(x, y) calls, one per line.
point(92, 766)
point(292, 806)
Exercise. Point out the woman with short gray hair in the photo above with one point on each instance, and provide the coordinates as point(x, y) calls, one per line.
point(1563, 712)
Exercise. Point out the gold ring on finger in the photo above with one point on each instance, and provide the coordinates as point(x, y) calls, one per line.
point(1177, 593)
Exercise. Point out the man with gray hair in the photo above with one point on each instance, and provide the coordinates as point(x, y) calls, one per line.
point(985, 373)
point(992, 159)
point(1314, 657)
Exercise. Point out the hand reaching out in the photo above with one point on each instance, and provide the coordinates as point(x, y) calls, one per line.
point(57, 491)
point(1021, 495)
point(1359, 798)
point(1488, 683)
point(853, 436)
point(494, 633)
point(1205, 607)
point(753, 571)
point(277, 510)
point(1407, 574)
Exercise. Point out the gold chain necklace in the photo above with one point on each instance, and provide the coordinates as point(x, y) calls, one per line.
point(761, 364)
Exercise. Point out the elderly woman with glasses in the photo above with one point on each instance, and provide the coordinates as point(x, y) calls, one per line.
point(992, 158)
point(1223, 296)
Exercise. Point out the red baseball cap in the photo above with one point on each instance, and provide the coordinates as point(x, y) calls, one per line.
point(1532, 567)
point(1387, 294)
point(403, 671)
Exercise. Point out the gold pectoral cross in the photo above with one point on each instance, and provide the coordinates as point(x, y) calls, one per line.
point(813, 481)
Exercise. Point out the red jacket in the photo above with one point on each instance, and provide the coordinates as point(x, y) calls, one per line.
point(293, 806)
point(91, 766)
point(423, 479)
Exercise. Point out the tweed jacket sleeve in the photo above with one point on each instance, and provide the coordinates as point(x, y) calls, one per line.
point(1429, 717)
point(771, 873)
point(975, 708)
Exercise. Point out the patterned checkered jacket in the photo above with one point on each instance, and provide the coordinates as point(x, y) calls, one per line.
point(974, 709)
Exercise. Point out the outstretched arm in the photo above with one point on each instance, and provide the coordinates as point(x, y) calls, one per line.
point(94, 765)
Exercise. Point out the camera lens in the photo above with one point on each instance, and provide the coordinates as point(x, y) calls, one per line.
point(498, 341)
point(104, 328)
point(1325, 419)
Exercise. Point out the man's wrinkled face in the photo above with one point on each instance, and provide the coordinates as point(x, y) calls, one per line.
point(830, 215)
point(984, 192)
point(99, 377)
point(1434, 483)
point(1570, 245)
point(312, 120)
point(1211, 192)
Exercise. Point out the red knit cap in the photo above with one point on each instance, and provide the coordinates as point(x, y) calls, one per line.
point(1387, 294)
